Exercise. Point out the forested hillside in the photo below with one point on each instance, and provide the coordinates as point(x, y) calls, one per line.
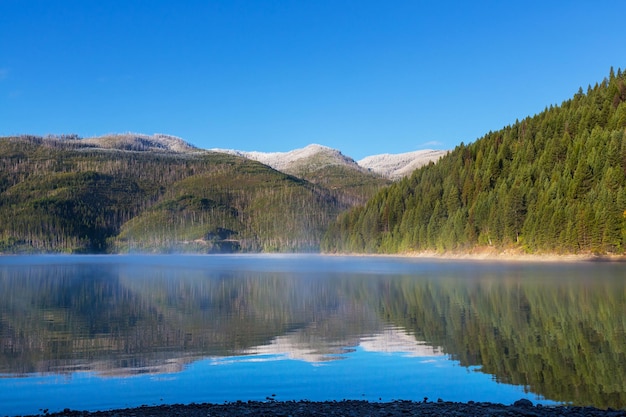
point(554, 182)
point(325, 166)
point(134, 193)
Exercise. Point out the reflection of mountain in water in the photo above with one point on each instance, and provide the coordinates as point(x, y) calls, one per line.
point(305, 346)
point(398, 340)
point(126, 319)
point(563, 338)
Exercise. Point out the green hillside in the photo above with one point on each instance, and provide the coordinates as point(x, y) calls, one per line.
point(554, 182)
point(350, 185)
point(65, 194)
point(250, 208)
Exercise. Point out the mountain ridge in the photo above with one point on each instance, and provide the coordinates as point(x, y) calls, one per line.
point(391, 166)
point(397, 166)
point(313, 156)
point(134, 192)
point(298, 162)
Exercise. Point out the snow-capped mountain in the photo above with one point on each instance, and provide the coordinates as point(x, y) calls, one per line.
point(140, 142)
point(314, 157)
point(396, 166)
point(311, 157)
point(299, 162)
point(308, 346)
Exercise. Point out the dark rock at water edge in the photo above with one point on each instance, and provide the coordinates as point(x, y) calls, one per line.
point(349, 408)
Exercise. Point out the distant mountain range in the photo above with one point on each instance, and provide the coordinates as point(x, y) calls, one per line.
point(297, 162)
point(314, 157)
point(158, 193)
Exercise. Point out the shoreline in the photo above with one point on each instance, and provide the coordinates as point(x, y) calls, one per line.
point(508, 256)
point(479, 254)
point(493, 255)
point(347, 408)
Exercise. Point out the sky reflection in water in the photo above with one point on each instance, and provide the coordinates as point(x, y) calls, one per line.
point(372, 376)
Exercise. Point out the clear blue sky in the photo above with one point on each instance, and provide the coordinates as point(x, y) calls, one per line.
point(363, 76)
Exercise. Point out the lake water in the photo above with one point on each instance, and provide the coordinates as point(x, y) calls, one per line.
point(102, 332)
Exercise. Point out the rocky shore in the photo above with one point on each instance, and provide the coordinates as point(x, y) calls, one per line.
point(348, 409)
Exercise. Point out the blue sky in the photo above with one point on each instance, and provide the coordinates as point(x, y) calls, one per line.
point(363, 76)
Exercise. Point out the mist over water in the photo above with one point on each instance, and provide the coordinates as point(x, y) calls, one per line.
point(97, 332)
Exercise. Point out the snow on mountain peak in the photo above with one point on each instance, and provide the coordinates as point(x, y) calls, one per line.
point(141, 142)
point(285, 161)
point(396, 166)
point(393, 166)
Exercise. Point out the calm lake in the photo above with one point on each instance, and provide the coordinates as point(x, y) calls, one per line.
point(102, 332)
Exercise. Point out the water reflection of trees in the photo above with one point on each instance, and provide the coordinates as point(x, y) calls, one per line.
point(564, 339)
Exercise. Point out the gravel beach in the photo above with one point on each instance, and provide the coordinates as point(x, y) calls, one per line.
point(348, 409)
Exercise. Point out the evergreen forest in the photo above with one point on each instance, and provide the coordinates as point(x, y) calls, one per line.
point(551, 183)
